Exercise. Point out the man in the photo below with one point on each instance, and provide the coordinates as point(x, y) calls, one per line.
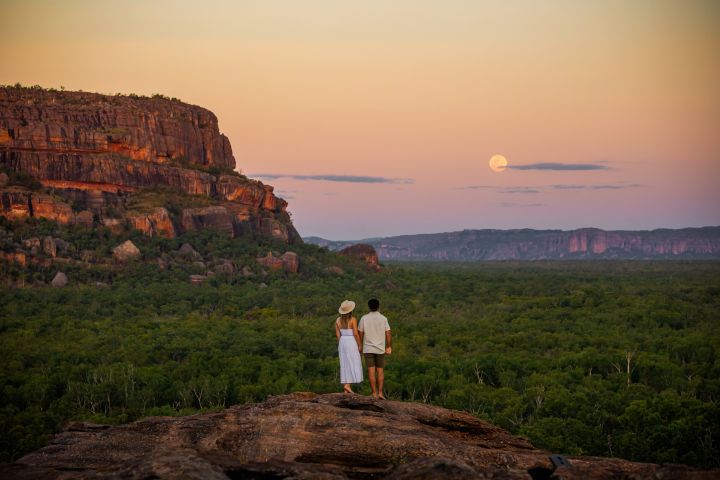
point(377, 342)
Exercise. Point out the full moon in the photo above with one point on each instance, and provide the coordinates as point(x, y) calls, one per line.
point(498, 163)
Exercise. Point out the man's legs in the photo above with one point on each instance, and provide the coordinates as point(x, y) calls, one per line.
point(380, 380)
point(373, 386)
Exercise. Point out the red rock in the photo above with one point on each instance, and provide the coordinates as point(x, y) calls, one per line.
point(51, 208)
point(363, 252)
point(143, 129)
point(95, 149)
point(216, 218)
point(304, 435)
point(154, 223)
point(17, 257)
point(271, 262)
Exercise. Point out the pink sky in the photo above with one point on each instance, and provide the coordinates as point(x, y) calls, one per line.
point(418, 95)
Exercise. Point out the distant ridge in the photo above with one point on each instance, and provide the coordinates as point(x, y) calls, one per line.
point(528, 244)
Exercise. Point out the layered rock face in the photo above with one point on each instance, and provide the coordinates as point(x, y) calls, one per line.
point(97, 150)
point(309, 436)
point(585, 243)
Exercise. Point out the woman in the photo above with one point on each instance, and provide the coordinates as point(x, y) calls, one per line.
point(349, 346)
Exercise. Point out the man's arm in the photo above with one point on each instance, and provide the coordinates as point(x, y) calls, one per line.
point(388, 342)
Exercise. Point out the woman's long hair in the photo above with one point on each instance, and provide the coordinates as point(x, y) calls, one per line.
point(345, 319)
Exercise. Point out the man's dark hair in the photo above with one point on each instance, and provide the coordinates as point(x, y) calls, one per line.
point(373, 304)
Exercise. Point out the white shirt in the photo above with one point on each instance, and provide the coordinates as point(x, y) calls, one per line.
point(374, 325)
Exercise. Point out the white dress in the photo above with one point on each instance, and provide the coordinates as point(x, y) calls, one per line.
point(350, 365)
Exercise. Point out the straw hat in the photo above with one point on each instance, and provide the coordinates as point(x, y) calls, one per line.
point(346, 306)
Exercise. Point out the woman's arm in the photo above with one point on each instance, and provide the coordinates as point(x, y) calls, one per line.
point(337, 331)
point(356, 334)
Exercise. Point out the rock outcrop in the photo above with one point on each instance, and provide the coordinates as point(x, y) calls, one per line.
point(309, 436)
point(288, 262)
point(364, 252)
point(526, 244)
point(96, 151)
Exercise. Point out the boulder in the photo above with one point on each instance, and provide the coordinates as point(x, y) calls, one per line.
point(49, 247)
point(225, 268)
point(61, 246)
point(271, 262)
point(60, 280)
point(187, 251)
point(288, 262)
point(291, 262)
point(31, 242)
point(125, 252)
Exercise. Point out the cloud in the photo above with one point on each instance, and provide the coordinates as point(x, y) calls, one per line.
point(613, 186)
point(519, 190)
point(475, 187)
point(559, 166)
point(335, 178)
point(510, 204)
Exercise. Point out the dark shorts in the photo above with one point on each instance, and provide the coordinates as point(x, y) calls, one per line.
point(375, 360)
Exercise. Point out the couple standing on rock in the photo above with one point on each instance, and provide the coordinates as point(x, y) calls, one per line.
point(371, 337)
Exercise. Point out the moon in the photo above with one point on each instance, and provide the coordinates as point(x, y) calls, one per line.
point(498, 163)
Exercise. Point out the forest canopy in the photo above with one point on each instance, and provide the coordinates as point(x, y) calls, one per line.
point(593, 358)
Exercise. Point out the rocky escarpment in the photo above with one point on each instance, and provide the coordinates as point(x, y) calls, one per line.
point(585, 243)
point(97, 151)
point(308, 436)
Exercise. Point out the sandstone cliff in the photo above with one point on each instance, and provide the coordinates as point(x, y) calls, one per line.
point(309, 436)
point(97, 151)
point(585, 243)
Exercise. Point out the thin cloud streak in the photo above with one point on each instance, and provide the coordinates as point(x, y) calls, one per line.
point(519, 190)
point(559, 166)
point(558, 186)
point(615, 186)
point(336, 178)
point(510, 204)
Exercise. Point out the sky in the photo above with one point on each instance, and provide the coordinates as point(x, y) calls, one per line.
point(379, 117)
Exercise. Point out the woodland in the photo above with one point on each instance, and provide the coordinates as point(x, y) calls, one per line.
point(606, 358)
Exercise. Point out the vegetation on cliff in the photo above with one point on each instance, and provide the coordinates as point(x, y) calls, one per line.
point(612, 359)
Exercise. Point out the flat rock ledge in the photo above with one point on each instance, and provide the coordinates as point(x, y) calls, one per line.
point(310, 436)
